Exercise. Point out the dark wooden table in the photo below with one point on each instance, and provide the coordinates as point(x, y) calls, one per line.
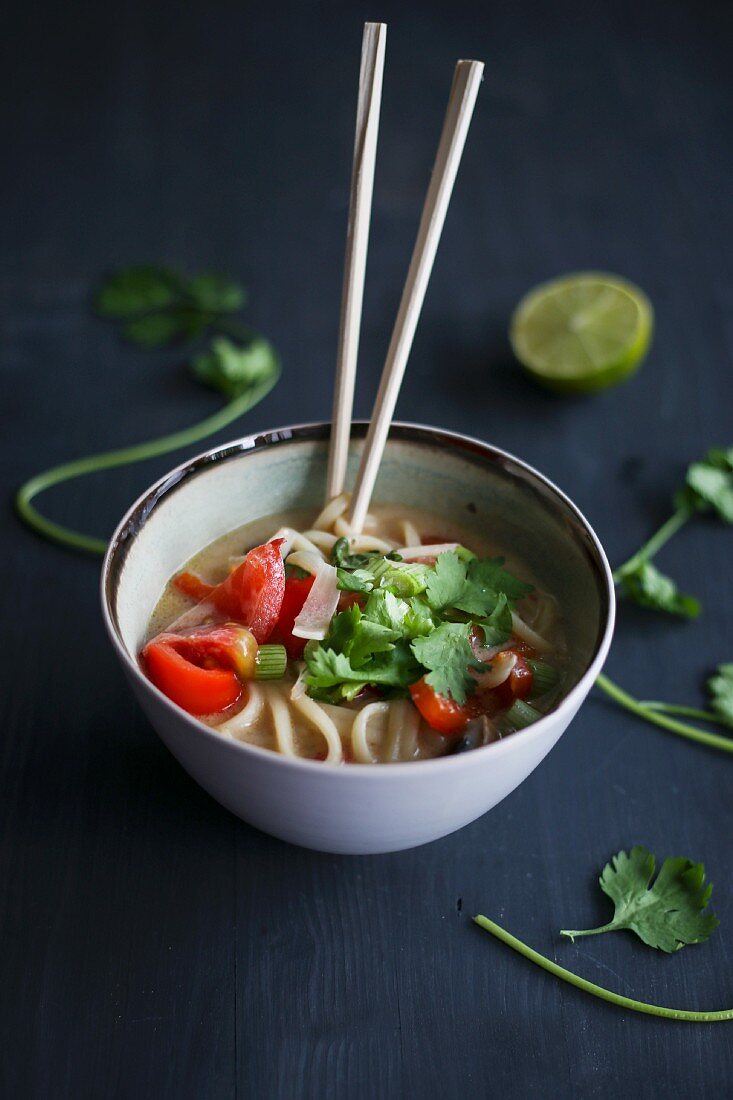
point(152, 945)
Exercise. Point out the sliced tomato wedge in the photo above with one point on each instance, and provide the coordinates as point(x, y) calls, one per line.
point(440, 712)
point(253, 592)
point(196, 689)
point(296, 592)
point(191, 585)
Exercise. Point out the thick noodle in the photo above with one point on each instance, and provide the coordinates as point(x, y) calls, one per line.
point(282, 716)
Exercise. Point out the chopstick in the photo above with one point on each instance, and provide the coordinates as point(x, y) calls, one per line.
point(466, 80)
point(357, 240)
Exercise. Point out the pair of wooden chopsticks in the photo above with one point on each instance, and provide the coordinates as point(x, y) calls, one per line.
point(466, 80)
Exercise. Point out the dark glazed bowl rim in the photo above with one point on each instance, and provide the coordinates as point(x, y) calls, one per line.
point(470, 448)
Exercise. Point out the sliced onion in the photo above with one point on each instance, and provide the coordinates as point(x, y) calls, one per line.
point(322, 600)
point(526, 634)
point(205, 613)
point(501, 668)
point(483, 653)
point(409, 553)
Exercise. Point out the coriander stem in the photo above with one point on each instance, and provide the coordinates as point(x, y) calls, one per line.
point(125, 456)
point(610, 927)
point(685, 712)
point(653, 545)
point(598, 990)
point(684, 729)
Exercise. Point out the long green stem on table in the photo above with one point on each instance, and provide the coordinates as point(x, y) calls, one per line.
point(653, 545)
point(684, 712)
point(653, 715)
point(124, 457)
point(598, 990)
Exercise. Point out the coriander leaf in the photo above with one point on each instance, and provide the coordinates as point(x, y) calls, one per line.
point(156, 330)
point(387, 609)
point(370, 638)
point(331, 675)
point(448, 656)
point(232, 369)
point(446, 582)
point(666, 914)
point(359, 638)
point(486, 580)
point(356, 581)
point(341, 557)
point(215, 293)
point(419, 619)
point(402, 578)
point(643, 583)
point(135, 290)
point(711, 483)
point(342, 628)
point(497, 627)
point(720, 687)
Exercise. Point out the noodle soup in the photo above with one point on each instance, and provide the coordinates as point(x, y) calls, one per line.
point(408, 641)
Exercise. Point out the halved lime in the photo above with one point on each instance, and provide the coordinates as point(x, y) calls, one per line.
point(582, 332)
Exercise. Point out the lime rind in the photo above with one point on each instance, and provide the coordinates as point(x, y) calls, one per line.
point(582, 332)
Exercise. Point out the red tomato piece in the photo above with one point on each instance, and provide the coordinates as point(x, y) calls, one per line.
point(296, 592)
point(517, 685)
point(253, 592)
point(197, 690)
point(191, 585)
point(440, 712)
point(348, 599)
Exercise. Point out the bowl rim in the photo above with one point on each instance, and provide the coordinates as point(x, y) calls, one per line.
point(317, 431)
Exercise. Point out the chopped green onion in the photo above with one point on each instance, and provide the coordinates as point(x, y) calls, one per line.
point(270, 662)
point(520, 715)
point(545, 678)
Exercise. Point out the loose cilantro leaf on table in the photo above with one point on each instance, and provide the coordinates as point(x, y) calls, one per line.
point(720, 687)
point(156, 307)
point(448, 655)
point(708, 487)
point(647, 586)
point(667, 913)
point(232, 369)
point(133, 291)
point(710, 483)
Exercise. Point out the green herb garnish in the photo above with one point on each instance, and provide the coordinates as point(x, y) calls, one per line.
point(668, 715)
point(448, 656)
point(608, 995)
point(708, 488)
point(417, 620)
point(157, 307)
point(668, 913)
point(720, 687)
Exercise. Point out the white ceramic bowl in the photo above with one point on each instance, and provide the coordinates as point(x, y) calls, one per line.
point(357, 808)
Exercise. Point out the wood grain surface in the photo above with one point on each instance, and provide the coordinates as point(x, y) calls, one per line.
point(151, 945)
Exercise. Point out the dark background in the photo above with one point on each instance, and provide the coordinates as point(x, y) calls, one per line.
point(153, 945)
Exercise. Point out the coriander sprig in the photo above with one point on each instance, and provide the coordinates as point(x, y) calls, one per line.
point(708, 488)
point(663, 714)
point(666, 914)
point(551, 967)
point(161, 308)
